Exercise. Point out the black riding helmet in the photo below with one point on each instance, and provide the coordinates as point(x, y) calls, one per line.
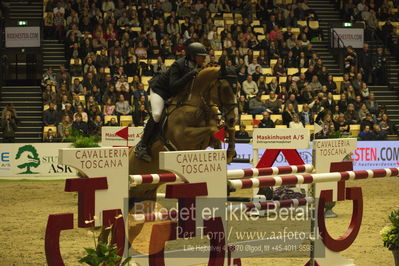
point(196, 48)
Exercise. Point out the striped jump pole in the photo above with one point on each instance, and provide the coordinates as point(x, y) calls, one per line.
point(241, 173)
point(243, 207)
point(274, 181)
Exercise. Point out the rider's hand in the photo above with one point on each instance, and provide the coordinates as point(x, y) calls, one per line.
point(194, 72)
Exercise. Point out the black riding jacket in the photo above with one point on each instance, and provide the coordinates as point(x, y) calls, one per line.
point(174, 80)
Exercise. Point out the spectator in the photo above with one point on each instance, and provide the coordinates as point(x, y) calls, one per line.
point(366, 134)
point(315, 84)
point(331, 85)
point(8, 126)
point(93, 111)
point(273, 86)
point(273, 104)
point(307, 94)
point(350, 58)
point(48, 95)
point(59, 9)
point(292, 100)
point(266, 122)
point(77, 87)
point(288, 114)
point(10, 109)
point(351, 116)
point(249, 86)
point(328, 125)
point(256, 105)
point(253, 66)
point(49, 78)
point(378, 133)
point(242, 133)
point(306, 116)
point(243, 106)
point(363, 112)
point(64, 126)
point(50, 116)
point(365, 62)
point(372, 105)
point(295, 123)
point(80, 112)
point(140, 92)
point(262, 86)
point(342, 125)
point(94, 125)
point(122, 106)
point(121, 82)
point(368, 121)
point(358, 103)
point(329, 103)
point(387, 126)
point(140, 115)
point(50, 136)
point(109, 94)
point(364, 91)
point(79, 125)
point(379, 67)
point(109, 108)
point(279, 69)
point(357, 82)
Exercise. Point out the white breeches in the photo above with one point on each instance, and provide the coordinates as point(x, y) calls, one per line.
point(157, 105)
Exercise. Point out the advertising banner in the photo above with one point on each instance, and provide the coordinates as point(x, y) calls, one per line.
point(368, 155)
point(22, 37)
point(281, 138)
point(350, 36)
point(31, 161)
point(109, 138)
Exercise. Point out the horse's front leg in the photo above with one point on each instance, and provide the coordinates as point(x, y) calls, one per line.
point(231, 150)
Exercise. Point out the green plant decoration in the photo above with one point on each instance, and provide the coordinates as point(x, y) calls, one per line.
point(80, 141)
point(105, 252)
point(390, 233)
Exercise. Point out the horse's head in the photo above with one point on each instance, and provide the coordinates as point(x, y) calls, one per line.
point(227, 94)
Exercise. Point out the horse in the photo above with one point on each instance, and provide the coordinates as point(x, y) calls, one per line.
point(192, 121)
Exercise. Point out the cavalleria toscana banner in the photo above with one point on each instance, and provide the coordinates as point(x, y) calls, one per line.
point(33, 161)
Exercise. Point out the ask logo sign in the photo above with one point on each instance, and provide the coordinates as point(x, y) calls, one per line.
point(27, 157)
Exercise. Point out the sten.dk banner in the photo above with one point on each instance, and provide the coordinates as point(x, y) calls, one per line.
point(368, 155)
point(33, 161)
point(110, 138)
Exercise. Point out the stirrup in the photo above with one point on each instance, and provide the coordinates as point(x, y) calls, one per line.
point(141, 152)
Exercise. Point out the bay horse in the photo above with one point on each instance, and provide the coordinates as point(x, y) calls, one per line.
point(192, 120)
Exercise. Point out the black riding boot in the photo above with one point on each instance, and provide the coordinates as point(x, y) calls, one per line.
point(142, 148)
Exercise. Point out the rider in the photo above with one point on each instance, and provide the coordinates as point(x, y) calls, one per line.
point(167, 85)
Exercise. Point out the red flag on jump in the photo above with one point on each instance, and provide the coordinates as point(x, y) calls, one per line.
point(220, 135)
point(256, 122)
point(123, 133)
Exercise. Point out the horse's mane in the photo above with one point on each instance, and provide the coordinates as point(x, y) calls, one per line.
point(208, 75)
point(203, 80)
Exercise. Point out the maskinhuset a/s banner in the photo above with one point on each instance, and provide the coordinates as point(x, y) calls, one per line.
point(22, 37)
point(33, 161)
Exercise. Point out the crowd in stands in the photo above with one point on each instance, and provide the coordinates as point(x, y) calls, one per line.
point(114, 47)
